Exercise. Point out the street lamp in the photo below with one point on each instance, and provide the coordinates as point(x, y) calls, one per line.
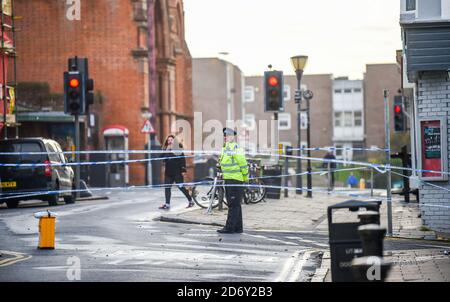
point(299, 63)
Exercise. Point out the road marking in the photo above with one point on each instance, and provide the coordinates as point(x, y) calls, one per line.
point(308, 241)
point(287, 267)
point(272, 239)
point(17, 257)
point(295, 275)
point(293, 267)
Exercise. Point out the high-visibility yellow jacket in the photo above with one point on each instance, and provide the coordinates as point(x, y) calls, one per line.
point(233, 162)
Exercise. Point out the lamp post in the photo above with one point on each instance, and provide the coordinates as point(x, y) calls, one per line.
point(308, 95)
point(299, 63)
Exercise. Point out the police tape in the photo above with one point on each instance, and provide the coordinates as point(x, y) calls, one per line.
point(422, 181)
point(343, 193)
point(381, 168)
point(38, 193)
point(189, 151)
point(22, 195)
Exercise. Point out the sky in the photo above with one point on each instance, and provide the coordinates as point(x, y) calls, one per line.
point(338, 36)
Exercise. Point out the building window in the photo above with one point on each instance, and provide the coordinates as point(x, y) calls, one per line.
point(284, 121)
point(250, 121)
point(287, 92)
point(358, 118)
point(338, 119)
point(303, 121)
point(348, 119)
point(337, 91)
point(249, 94)
point(347, 90)
point(357, 90)
point(410, 5)
point(338, 151)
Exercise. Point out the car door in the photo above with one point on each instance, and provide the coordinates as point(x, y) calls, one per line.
point(56, 164)
point(29, 177)
point(66, 171)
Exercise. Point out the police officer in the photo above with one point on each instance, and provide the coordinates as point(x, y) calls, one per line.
point(235, 172)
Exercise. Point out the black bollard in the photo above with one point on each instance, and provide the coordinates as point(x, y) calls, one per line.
point(371, 267)
point(372, 236)
point(369, 217)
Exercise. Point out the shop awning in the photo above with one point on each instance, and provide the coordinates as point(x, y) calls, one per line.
point(43, 116)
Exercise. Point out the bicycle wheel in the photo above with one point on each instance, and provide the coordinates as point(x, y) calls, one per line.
point(202, 193)
point(257, 192)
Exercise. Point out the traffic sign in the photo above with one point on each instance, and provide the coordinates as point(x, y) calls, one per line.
point(147, 128)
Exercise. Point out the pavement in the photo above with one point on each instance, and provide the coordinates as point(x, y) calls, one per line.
point(417, 253)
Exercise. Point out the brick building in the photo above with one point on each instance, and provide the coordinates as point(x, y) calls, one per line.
point(377, 78)
point(321, 109)
point(133, 74)
point(426, 62)
point(217, 84)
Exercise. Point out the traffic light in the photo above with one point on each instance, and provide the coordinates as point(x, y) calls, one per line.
point(74, 93)
point(274, 93)
point(81, 64)
point(399, 115)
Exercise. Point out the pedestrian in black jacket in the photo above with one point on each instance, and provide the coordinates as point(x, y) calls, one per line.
point(330, 164)
point(175, 168)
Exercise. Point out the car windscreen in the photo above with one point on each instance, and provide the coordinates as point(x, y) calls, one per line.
point(24, 147)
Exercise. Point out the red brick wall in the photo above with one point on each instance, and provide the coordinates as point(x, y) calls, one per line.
point(106, 34)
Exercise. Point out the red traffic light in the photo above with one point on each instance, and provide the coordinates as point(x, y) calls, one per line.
point(273, 81)
point(74, 83)
point(397, 109)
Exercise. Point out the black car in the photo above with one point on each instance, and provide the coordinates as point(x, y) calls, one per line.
point(27, 182)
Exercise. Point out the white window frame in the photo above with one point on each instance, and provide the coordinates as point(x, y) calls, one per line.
point(251, 90)
point(287, 92)
point(345, 119)
point(286, 117)
point(340, 119)
point(354, 118)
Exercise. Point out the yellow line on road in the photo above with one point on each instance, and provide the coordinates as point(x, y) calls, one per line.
point(17, 257)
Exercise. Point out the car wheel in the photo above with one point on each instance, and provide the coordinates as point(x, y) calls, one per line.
point(73, 195)
point(54, 198)
point(12, 204)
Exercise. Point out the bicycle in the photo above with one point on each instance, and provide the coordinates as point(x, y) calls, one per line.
point(209, 192)
point(255, 191)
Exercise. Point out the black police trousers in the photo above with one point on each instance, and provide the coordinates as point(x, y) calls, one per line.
point(234, 196)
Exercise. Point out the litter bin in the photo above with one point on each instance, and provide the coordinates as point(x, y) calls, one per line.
point(344, 239)
point(46, 229)
point(272, 193)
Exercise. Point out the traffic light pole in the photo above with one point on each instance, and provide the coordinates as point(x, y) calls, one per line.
point(308, 138)
point(388, 162)
point(77, 155)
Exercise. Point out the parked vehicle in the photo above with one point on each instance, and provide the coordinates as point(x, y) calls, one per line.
point(27, 182)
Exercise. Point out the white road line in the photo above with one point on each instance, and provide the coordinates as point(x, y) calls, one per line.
point(299, 267)
point(288, 267)
point(17, 258)
point(272, 239)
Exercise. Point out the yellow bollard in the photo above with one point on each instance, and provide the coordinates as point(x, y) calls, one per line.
point(362, 184)
point(46, 229)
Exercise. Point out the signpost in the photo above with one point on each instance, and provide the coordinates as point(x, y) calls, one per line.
point(147, 128)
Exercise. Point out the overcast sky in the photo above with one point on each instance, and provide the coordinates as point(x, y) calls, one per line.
point(339, 37)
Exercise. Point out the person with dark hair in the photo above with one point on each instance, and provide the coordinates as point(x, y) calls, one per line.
point(330, 164)
point(235, 172)
point(175, 168)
